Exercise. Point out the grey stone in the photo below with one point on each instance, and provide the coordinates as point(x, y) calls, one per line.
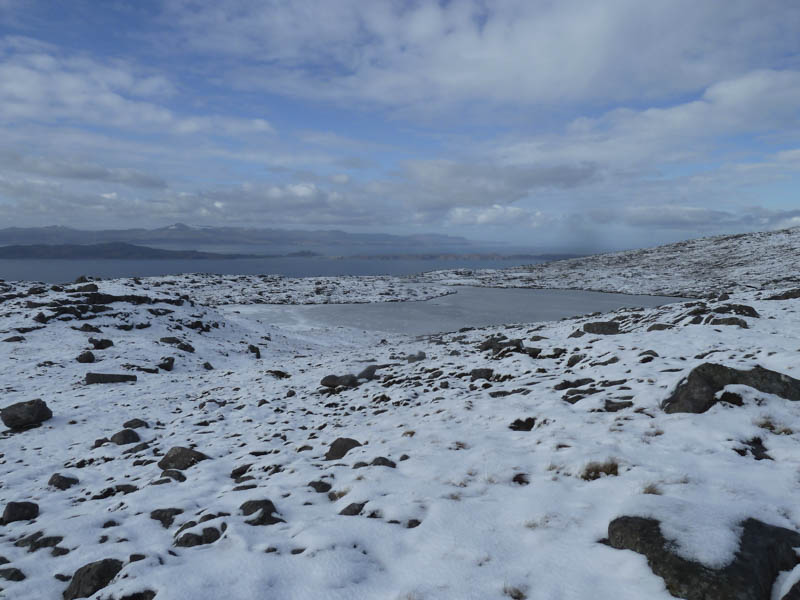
point(23, 415)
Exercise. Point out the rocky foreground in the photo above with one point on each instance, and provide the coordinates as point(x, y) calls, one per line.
point(157, 447)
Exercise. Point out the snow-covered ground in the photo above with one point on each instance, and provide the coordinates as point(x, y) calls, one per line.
point(488, 484)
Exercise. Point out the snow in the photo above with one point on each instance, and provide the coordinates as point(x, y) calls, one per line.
point(481, 535)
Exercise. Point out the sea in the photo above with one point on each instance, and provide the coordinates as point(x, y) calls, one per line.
point(62, 271)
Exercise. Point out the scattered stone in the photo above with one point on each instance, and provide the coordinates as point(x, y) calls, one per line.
point(730, 321)
point(94, 378)
point(353, 510)
point(167, 363)
point(208, 536)
point(612, 406)
point(62, 482)
point(85, 357)
point(14, 338)
point(756, 448)
point(764, 551)
point(335, 381)
point(523, 425)
point(412, 358)
point(20, 511)
point(787, 295)
point(165, 516)
point(696, 393)
point(476, 374)
point(254, 350)
point(737, 309)
point(382, 461)
point(92, 577)
point(135, 424)
point(340, 447)
point(601, 328)
point(12, 574)
point(321, 487)
point(265, 510)
point(659, 327)
point(181, 458)
point(566, 384)
point(100, 344)
point(126, 436)
point(24, 415)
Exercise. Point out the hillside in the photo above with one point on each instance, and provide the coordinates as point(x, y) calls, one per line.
point(644, 453)
point(692, 268)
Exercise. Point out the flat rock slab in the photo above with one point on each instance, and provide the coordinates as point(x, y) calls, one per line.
point(696, 393)
point(93, 378)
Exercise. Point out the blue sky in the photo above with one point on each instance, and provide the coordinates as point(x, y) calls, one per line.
point(569, 124)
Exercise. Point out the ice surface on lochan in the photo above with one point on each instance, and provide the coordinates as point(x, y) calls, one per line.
point(534, 461)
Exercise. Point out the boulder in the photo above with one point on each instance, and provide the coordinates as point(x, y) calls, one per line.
point(696, 393)
point(124, 437)
point(100, 344)
point(352, 510)
point(167, 363)
point(340, 447)
point(23, 415)
point(20, 511)
point(476, 374)
point(62, 482)
point(334, 381)
point(265, 510)
point(764, 551)
point(85, 357)
point(165, 516)
point(181, 458)
point(92, 577)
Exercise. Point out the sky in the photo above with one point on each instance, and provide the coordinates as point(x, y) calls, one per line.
point(556, 124)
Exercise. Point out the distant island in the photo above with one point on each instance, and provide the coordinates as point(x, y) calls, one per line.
point(125, 251)
point(111, 250)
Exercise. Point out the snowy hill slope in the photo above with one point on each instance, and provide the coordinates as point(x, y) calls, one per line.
point(550, 460)
point(694, 268)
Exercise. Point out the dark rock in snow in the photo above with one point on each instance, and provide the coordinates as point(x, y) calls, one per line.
point(62, 482)
point(737, 309)
point(167, 363)
point(352, 510)
point(208, 366)
point(165, 516)
point(566, 384)
point(523, 425)
point(94, 378)
point(15, 338)
point(85, 357)
point(92, 577)
point(696, 393)
point(135, 424)
point(412, 358)
point(476, 374)
point(208, 536)
point(320, 487)
point(181, 458)
point(787, 295)
point(602, 327)
point(126, 436)
point(100, 344)
point(764, 551)
point(265, 510)
point(254, 350)
point(382, 461)
point(340, 447)
point(12, 574)
point(730, 321)
point(23, 415)
point(334, 381)
point(20, 511)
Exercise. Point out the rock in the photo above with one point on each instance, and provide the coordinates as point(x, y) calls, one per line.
point(165, 516)
point(612, 406)
point(566, 384)
point(62, 482)
point(696, 392)
point(15, 338)
point(787, 295)
point(764, 551)
point(143, 595)
point(575, 359)
point(352, 510)
point(20, 511)
point(135, 424)
point(737, 309)
point(100, 344)
point(382, 461)
point(85, 357)
point(254, 350)
point(476, 374)
point(320, 487)
point(601, 327)
point(24, 415)
point(181, 458)
point(167, 363)
point(659, 327)
point(12, 574)
point(126, 436)
point(208, 536)
point(340, 447)
point(265, 510)
point(93, 378)
point(208, 366)
point(92, 577)
point(334, 381)
point(523, 425)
